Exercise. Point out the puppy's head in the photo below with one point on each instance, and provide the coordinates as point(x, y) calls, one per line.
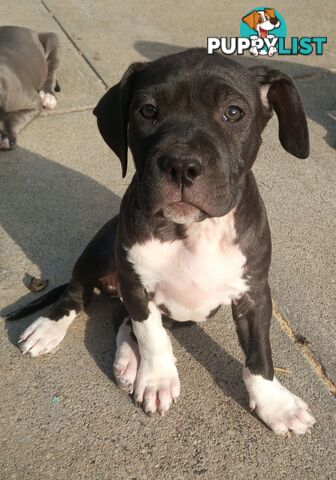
point(262, 21)
point(193, 123)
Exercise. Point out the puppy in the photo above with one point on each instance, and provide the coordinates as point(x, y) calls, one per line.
point(192, 233)
point(263, 22)
point(28, 65)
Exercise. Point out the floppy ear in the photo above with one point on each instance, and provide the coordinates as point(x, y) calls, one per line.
point(250, 19)
point(270, 12)
point(112, 116)
point(280, 93)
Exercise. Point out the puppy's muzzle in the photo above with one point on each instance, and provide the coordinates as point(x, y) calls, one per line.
point(182, 171)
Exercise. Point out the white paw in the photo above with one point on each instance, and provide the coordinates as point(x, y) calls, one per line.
point(157, 383)
point(4, 142)
point(254, 51)
point(126, 359)
point(272, 51)
point(48, 100)
point(280, 409)
point(43, 335)
point(7, 142)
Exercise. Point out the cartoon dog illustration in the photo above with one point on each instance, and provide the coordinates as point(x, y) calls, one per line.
point(263, 21)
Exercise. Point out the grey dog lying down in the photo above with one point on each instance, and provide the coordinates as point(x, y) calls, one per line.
point(28, 65)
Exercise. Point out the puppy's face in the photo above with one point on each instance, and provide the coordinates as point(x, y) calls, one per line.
point(194, 125)
point(262, 21)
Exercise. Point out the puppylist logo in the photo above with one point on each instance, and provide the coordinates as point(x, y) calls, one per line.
point(263, 31)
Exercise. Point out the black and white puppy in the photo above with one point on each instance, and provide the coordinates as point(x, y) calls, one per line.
point(192, 232)
point(28, 65)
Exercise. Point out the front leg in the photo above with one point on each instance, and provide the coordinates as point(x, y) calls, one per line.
point(280, 409)
point(157, 383)
point(254, 50)
point(52, 49)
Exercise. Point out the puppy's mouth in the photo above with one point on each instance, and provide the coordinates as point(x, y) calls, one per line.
point(182, 212)
point(263, 32)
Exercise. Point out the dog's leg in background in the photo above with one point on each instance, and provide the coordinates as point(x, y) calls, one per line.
point(52, 48)
point(12, 123)
point(280, 409)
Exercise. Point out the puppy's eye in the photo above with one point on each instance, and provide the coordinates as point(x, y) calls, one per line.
point(260, 20)
point(233, 113)
point(148, 111)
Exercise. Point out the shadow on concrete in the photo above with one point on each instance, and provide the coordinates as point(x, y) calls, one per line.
point(51, 212)
point(225, 370)
point(317, 85)
point(100, 339)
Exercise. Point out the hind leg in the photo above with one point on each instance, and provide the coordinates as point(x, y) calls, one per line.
point(96, 263)
point(52, 48)
point(12, 123)
point(45, 333)
point(127, 357)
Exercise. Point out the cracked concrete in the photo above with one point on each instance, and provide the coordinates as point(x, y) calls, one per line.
point(62, 416)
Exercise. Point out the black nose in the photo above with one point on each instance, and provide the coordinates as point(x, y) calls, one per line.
point(181, 171)
point(274, 21)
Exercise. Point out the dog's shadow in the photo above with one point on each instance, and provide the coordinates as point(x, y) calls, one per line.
point(51, 212)
point(319, 103)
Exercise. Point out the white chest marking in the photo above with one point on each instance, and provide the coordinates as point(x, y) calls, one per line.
point(193, 276)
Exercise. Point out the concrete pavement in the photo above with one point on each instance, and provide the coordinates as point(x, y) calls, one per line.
point(62, 416)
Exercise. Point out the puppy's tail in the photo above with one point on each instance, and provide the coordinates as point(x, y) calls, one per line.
point(41, 302)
